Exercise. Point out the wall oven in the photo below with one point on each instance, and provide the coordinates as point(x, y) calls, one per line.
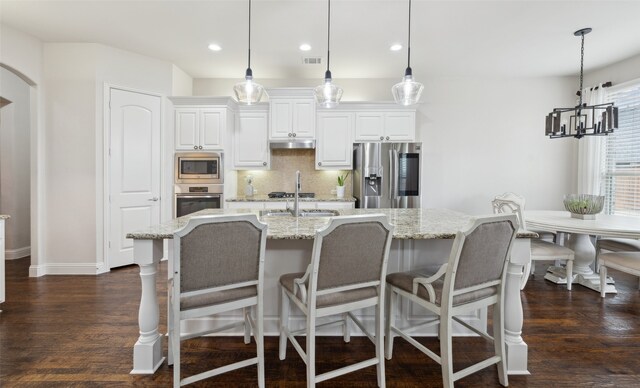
point(199, 167)
point(191, 198)
point(199, 182)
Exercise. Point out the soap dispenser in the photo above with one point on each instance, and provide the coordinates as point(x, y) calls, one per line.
point(248, 189)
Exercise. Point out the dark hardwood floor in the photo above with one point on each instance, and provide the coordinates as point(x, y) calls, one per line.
point(78, 331)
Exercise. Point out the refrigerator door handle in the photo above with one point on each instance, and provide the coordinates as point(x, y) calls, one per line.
point(393, 189)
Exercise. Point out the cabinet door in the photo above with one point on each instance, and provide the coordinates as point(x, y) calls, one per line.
point(304, 118)
point(334, 146)
point(369, 126)
point(186, 129)
point(250, 143)
point(281, 118)
point(400, 126)
point(212, 125)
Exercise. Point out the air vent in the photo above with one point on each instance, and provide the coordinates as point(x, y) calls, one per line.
point(312, 60)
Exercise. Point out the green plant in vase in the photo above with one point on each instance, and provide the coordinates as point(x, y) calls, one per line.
point(341, 179)
point(340, 187)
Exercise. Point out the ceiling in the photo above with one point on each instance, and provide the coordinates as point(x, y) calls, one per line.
point(449, 38)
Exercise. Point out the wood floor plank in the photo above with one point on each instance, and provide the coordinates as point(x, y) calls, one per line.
point(78, 331)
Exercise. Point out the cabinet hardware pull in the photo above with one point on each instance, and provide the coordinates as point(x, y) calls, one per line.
point(264, 163)
point(289, 134)
point(154, 199)
point(195, 147)
point(381, 137)
point(294, 135)
point(387, 137)
point(201, 146)
point(319, 163)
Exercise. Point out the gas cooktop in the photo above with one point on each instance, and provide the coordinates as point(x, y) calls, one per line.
point(282, 194)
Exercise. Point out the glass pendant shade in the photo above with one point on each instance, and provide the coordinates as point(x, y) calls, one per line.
point(407, 92)
point(328, 95)
point(248, 91)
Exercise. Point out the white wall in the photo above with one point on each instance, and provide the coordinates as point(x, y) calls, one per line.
point(617, 73)
point(354, 89)
point(70, 166)
point(14, 163)
point(182, 83)
point(23, 53)
point(481, 137)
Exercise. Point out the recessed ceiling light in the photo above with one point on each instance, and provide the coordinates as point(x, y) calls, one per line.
point(395, 47)
point(214, 47)
point(305, 47)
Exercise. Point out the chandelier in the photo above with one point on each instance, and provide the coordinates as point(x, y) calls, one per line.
point(582, 120)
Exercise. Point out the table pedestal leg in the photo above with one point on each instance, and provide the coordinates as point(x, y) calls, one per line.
point(515, 346)
point(585, 254)
point(147, 352)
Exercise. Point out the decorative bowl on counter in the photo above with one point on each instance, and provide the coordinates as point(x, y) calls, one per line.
point(583, 206)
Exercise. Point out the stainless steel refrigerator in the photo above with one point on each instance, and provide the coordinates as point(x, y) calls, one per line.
point(386, 175)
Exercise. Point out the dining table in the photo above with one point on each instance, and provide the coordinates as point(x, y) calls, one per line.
point(581, 236)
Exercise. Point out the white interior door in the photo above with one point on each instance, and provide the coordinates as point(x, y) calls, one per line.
point(134, 169)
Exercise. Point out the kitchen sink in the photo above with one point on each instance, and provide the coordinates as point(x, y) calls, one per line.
point(318, 213)
point(303, 213)
point(275, 213)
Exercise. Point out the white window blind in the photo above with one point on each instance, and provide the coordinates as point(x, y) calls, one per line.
point(621, 178)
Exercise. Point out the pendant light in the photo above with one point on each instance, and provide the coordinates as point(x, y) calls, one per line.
point(248, 91)
point(328, 94)
point(408, 91)
point(582, 120)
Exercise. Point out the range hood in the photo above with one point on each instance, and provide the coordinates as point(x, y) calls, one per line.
point(292, 144)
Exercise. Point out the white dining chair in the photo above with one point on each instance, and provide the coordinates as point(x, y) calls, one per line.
point(218, 267)
point(541, 250)
point(628, 262)
point(346, 273)
point(609, 244)
point(473, 278)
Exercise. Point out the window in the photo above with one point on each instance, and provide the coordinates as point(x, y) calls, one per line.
point(621, 178)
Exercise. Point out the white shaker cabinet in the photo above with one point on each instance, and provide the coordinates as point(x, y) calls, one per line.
point(250, 140)
point(334, 144)
point(292, 113)
point(200, 128)
point(385, 126)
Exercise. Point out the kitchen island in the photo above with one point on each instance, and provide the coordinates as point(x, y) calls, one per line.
point(422, 237)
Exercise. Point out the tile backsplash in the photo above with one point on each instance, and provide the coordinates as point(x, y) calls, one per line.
point(281, 177)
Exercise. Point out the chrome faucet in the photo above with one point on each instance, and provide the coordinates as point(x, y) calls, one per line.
point(296, 205)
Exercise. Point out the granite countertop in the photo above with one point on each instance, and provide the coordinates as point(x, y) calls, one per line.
point(265, 198)
point(4, 216)
point(409, 224)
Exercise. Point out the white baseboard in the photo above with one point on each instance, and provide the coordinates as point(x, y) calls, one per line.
point(12, 254)
point(67, 269)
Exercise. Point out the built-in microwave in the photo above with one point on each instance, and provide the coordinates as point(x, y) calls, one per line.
point(199, 167)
